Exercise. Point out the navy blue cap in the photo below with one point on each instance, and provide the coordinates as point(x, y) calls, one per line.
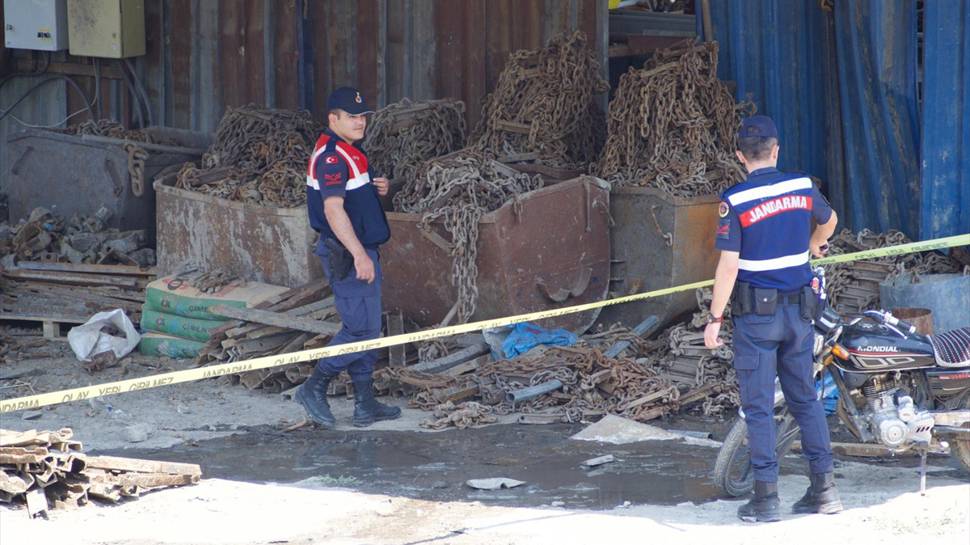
point(349, 100)
point(758, 125)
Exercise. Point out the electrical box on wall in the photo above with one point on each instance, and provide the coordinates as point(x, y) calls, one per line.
point(35, 24)
point(106, 28)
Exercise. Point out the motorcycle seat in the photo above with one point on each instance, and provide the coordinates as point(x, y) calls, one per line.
point(952, 349)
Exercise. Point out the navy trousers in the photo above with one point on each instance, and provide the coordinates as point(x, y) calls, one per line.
point(359, 306)
point(779, 344)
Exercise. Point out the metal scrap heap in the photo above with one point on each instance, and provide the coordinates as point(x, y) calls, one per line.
point(854, 287)
point(403, 135)
point(543, 104)
point(259, 157)
point(672, 126)
point(46, 470)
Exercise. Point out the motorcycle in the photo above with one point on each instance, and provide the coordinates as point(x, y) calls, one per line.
point(897, 388)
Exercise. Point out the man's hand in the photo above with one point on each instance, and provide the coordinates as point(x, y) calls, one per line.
point(818, 247)
point(364, 267)
point(711, 339)
point(382, 185)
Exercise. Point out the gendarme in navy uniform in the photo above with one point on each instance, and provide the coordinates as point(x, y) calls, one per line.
point(344, 208)
point(766, 240)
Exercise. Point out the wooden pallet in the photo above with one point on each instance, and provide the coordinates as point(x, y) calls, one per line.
point(51, 324)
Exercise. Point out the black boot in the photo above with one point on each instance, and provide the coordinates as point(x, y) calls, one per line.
point(313, 396)
point(368, 410)
point(764, 507)
point(821, 496)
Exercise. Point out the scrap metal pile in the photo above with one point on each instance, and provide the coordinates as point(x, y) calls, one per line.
point(113, 129)
point(543, 106)
point(854, 287)
point(44, 236)
point(459, 189)
point(46, 470)
point(259, 157)
point(403, 135)
point(64, 271)
point(653, 378)
point(672, 126)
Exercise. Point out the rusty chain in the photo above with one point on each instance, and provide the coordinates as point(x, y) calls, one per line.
point(672, 126)
point(259, 156)
point(458, 190)
point(403, 135)
point(544, 103)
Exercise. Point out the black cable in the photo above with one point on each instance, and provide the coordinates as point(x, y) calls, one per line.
point(132, 95)
point(87, 102)
point(141, 92)
point(35, 73)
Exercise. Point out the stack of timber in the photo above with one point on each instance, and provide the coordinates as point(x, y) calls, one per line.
point(46, 470)
point(297, 319)
point(55, 293)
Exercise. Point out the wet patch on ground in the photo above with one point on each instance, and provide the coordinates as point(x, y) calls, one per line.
point(435, 466)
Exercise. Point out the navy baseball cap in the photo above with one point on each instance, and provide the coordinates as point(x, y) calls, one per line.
point(349, 100)
point(758, 125)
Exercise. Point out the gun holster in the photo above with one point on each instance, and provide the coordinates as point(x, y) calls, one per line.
point(339, 259)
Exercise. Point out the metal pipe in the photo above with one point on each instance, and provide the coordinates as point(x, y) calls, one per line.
point(640, 330)
point(532, 392)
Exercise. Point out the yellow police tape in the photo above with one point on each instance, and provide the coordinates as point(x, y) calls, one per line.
point(176, 377)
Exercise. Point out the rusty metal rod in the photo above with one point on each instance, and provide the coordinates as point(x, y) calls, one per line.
point(533, 392)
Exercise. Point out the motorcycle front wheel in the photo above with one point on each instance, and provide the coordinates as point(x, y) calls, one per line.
point(733, 473)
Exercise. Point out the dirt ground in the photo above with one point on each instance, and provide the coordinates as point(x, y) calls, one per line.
point(882, 499)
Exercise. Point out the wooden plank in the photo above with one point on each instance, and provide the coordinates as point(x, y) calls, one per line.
point(72, 278)
point(275, 319)
point(116, 463)
point(11, 317)
point(396, 355)
point(86, 268)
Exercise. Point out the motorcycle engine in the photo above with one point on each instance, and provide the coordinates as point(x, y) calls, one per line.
point(893, 416)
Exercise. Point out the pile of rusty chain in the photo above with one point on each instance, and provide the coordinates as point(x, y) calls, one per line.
point(543, 103)
point(259, 157)
point(113, 129)
point(672, 126)
point(463, 415)
point(402, 136)
point(458, 190)
point(854, 287)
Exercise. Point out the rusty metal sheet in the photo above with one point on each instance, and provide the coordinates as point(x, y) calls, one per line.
point(273, 245)
point(556, 246)
point(99, 175)
point(659, 241)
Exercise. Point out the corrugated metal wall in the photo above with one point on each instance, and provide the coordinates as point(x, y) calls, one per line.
point(945, 124)
point(233, 52)
point(843, 84)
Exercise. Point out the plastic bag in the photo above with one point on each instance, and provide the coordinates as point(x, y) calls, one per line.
point(88, 340)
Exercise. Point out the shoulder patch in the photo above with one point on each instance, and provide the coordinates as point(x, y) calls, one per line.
point(723, 209)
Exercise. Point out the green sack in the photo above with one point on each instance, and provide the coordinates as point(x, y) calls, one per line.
point(178, 326)
point(156, 344)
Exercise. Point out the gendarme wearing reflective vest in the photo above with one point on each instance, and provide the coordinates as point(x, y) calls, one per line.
point(766, 239)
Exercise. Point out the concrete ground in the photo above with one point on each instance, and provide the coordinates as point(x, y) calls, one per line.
point(882, 501)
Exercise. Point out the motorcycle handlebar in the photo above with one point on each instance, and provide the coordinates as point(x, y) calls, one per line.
point(887, 318)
